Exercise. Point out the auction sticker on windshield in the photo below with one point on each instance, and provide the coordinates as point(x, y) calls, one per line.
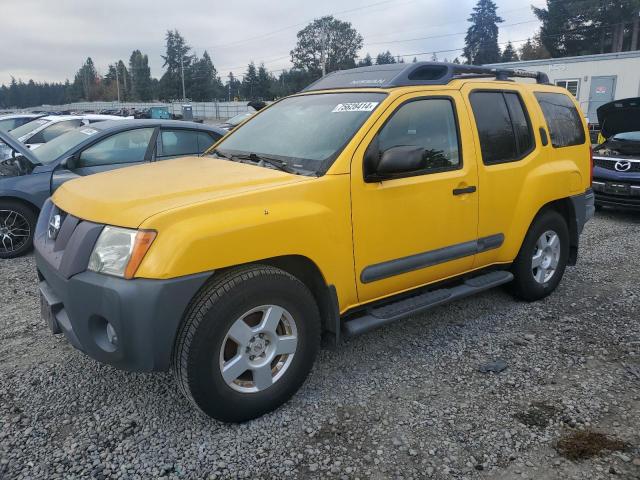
point(88, 131)
point(355, 107)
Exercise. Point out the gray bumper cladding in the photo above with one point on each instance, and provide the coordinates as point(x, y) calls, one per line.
point(584, 206)
point(130, 324)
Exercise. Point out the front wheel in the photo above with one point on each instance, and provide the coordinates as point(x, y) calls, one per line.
point(248, 342)
point(543, 257)
point(17, 225)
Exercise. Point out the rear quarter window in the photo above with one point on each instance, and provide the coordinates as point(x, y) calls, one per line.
point(563, 119)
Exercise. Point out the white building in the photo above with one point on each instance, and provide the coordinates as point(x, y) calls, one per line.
point(593, 79)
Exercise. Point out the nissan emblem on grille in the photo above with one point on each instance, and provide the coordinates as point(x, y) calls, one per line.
point(623, 165)
point(54, 226)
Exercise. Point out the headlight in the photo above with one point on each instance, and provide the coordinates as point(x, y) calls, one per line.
point(119, 251)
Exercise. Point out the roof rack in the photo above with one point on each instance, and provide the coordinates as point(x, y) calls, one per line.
point(419, 73)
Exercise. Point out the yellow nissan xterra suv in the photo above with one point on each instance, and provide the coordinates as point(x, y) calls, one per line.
point(375, 194)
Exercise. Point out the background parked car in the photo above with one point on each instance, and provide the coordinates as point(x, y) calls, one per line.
point(9, 122)
point(29, 176)
point(233, 122)
point(616, 173)
point(45, 129)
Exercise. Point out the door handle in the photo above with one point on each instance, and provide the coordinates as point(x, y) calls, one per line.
point(462, 191)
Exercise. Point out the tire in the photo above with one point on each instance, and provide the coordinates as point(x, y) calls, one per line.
point(17, 226)
point(534, 283)
point(221, 331)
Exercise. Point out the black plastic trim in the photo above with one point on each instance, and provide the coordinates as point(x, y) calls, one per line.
point(411, 263)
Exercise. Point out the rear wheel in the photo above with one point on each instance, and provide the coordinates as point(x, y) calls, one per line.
point(248, 342)
point(543, 257)
point(17, 225)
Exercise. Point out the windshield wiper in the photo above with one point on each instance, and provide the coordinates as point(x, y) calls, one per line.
point(274, 162)
point(218, 153)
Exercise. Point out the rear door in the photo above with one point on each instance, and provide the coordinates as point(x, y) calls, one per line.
point(508, 150)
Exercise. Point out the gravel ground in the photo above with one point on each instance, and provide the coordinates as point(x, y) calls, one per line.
point(407, 401)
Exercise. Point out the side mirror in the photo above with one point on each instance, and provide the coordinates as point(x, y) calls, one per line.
point(397, 161)
point(69, 163)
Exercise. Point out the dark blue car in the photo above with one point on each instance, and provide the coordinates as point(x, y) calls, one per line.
point(616, 173)
point(29, 177)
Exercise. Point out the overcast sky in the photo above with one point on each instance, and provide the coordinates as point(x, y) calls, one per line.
point(48, 40)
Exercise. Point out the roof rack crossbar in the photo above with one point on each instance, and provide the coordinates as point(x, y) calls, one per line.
point(419, 73)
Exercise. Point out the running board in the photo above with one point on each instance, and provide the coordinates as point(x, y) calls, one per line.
point(386, 314)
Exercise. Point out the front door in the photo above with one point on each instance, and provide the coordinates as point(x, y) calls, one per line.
point(120, 150)
point(421, 226)
point(603, 90)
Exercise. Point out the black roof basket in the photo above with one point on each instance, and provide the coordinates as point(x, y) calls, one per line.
point(420, 73)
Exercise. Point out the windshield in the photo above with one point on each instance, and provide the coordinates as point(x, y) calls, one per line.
point(628, 136)
point(28, 128)
point(53, 149)
point(307, 132)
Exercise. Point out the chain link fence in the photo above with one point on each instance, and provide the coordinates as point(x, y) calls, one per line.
point(201, 110)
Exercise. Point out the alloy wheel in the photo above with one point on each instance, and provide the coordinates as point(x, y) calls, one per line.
point(14, 231)
point(546, 257)
point(258, 349)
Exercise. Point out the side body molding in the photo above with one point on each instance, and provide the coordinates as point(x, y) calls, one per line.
point(411, 263)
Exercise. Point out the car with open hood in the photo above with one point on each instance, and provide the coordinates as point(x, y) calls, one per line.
point(14, 120)
point(43, 129)
point(616, 174)
point(29, 176)
point(374, 195)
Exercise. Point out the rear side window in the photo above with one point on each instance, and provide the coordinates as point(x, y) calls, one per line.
point(205, 140)
point(503, 126)
point(179, 142)
point(563, 119)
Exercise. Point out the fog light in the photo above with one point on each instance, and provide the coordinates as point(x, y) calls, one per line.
point(112, 337)
point(103, 334)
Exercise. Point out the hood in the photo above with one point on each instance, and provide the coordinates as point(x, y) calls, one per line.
point(127, 197)
point(619, 117)
point(18, 146)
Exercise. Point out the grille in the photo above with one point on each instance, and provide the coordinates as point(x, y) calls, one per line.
point(610, 164)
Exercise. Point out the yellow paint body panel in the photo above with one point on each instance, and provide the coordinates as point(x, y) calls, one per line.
point(211, 213)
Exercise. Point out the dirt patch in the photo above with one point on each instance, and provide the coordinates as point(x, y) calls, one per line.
point(587, 444)
point(538, 415)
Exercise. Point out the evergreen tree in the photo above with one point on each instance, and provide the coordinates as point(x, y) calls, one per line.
point(263, 84)
point(205, 84)
point(481, 42)
point(178, 56)
point(250, 82)
point(385, 58)
point(233, 88)
point(533, 50)
point(583, 27)
point(141, 88)
point(509, 54)
point(367, 61)
point(86, 82)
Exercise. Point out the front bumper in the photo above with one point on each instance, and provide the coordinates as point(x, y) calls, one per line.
point(617, 194)
point(616, 189)
point(130, 324)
